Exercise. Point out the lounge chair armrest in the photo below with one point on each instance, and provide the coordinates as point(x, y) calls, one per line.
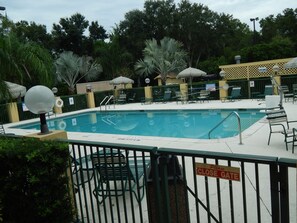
point(279, 124)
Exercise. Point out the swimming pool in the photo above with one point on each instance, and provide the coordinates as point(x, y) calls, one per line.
point(179, 123)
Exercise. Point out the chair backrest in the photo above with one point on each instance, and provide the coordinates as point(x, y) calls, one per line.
point(294, 88)
point(132, 98)
point(123, 96)
point(111, 167)
point(268, 90)
point(236, 92)
point(204, 93)
point(284, 88)
point(167, 95)
point(276, 115)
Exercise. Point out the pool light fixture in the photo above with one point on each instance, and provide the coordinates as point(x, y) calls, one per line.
point(40, 100)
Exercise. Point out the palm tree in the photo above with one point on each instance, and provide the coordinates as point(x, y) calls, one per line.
point(163, 59)
point(23, 63)
point(71, 68)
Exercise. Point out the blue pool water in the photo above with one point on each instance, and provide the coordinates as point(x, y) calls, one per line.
point(180, 123)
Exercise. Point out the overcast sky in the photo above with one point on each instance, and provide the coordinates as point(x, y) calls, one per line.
point(108, 13)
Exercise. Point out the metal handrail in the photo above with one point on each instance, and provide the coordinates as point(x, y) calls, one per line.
point(103, 101)
point(239, 125)
point(111, 97)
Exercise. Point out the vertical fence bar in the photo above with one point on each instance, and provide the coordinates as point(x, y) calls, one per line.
point(284, 194)
point(231, 196)
point(175, 194)
point(274, 192)
point(219, 196)
point(185, 188)
point(156, 188)
point(89, 169)
point(196, 191)
point(207, 194)
point(243, 192)
point(258, 192)
point(164, 188)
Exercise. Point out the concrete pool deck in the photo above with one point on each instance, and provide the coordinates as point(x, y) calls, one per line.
point(254, 138)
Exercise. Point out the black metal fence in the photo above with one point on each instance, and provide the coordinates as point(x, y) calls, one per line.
point(109, 181)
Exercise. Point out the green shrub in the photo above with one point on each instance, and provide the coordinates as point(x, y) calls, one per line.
point(34, 184)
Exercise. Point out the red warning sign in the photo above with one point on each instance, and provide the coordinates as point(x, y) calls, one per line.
point(217, 171)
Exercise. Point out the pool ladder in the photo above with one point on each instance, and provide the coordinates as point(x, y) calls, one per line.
point(106, 101)
point(239, 125)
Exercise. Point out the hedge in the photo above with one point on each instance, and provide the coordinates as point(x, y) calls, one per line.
point(34, 184)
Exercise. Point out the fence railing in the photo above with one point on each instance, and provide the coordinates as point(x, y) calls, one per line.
point(180, 185)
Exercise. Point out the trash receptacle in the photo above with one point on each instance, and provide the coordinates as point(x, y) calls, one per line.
point(177, 191)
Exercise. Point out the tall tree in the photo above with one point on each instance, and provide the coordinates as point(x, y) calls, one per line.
point(283, 25)
point(162, 59)
point(159, 18)
point(69, 35)
point(97, 32)
point(70, 69)
point(132, 32)
point(32, 32)
point(114, 59)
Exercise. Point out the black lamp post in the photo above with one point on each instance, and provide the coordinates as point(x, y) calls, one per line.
point(254, 21)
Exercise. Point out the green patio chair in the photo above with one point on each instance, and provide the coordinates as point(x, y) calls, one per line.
point(203, 96)
point(286, 92)
point(122, 99)
point(267, 91)
point(82, 170)
point(235, 94)
point(166, 97)
point(279, 123)
point(117, 174)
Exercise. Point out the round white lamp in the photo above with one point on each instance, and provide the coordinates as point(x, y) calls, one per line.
point(55, 90)
point(88, 88)
point(40, 100)
point(222, 73)
point(147, 81)
point(275, 69)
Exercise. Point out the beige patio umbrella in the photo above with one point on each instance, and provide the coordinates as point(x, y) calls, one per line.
point(16, 90)
point(291, 64)
point(121, 80)
point(191, 72)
